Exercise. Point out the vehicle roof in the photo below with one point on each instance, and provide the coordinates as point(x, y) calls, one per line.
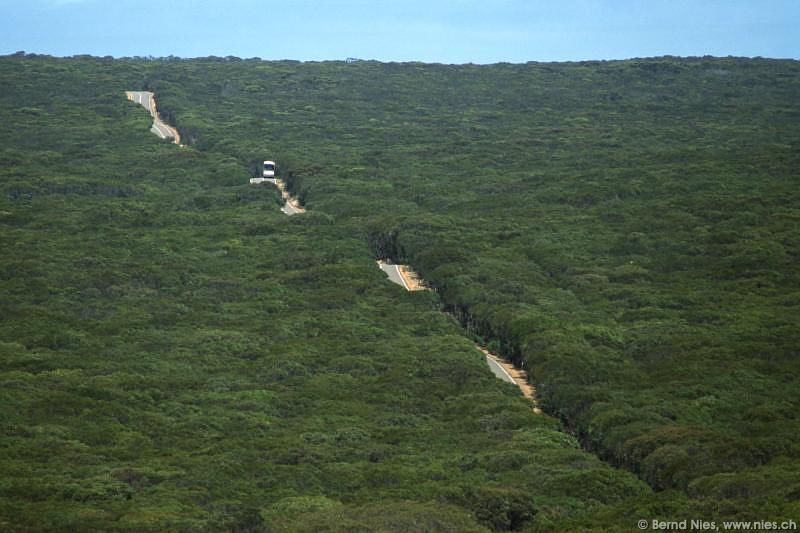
point(269, 162)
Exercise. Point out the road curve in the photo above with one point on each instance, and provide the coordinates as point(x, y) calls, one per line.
point(147, 100)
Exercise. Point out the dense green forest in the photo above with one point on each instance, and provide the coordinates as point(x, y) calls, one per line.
point(177, 354)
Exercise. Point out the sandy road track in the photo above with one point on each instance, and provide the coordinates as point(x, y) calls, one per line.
point(404, 276)
point(508, 372)
point(290, 204)
point(147, 100)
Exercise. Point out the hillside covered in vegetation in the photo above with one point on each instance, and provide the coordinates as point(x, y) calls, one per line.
point(175, 353)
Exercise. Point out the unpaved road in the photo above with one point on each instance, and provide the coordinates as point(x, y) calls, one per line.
point(146, 99)
point(508, 372)
point(410, 281)
point(290, 205)
point(393, 271)
point(499, 371)
point(402, 275)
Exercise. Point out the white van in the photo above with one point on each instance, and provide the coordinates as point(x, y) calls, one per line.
point(267, 173)
point(269, 169)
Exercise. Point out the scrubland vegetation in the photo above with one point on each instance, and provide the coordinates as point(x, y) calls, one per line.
point(175, 353)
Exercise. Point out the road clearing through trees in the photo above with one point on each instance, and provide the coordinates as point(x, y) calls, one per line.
point(405, 276)
point(402, 275)
point(147, 100)
point(290, 204)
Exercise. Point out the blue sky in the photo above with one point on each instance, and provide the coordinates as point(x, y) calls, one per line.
point(445, 31)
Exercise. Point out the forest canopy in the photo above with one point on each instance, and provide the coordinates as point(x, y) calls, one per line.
point(175, 353)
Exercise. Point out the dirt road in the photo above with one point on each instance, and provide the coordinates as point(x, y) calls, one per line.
point(515, 375)
point(291, 206)
point(160, 128)
point(404, 276)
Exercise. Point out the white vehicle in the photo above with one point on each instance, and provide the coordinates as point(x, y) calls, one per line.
point(267, 173)
point(269, 169)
